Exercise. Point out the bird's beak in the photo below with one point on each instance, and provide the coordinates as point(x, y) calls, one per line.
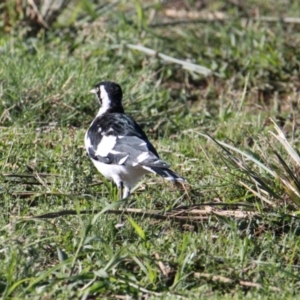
point(93, 91)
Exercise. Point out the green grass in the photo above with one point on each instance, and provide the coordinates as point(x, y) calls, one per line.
point(45, 110)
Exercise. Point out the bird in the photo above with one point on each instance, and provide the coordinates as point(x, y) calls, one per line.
point(117, 145)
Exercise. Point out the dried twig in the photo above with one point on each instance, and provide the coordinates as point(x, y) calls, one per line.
point(229, 280)
point(162, 267)
point(38, 14)
point(29, 175)
point(193, 217)
point(287, 20)
point(128, 211)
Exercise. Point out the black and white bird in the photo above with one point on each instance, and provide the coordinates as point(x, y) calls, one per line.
point(118, 146)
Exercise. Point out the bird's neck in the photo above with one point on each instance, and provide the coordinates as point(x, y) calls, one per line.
point(110, 109)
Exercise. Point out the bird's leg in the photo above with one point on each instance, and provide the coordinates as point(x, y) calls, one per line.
point(121, 190)
point(126, 192)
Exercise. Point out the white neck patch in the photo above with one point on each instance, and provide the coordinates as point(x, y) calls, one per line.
point(105, 101)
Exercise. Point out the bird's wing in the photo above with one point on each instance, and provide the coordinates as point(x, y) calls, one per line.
point(118, 139)
point(132, 151)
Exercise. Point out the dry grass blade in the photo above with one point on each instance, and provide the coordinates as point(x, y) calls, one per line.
point(290, 174)
point(38, 14)
point(282, 172)
point(289, 182)
point(250, 157)
point(162, 267)
point(222, 18)
point(229, 280)
point(282, 139)
point(34, 14)
point(257, 194)
point(261, 184)
point(186, 65)
point(224, 147)
point(29, 175)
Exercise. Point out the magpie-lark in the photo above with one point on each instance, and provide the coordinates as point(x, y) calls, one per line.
point(118, 146)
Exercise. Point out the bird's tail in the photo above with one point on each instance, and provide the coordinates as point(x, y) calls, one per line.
point(165, 173)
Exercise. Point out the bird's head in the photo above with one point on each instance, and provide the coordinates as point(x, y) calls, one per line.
point(109, 95)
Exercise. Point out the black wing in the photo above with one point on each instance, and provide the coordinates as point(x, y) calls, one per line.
point(116, 138)
point(117, 124)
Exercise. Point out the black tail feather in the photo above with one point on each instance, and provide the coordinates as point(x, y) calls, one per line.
point(165, 173)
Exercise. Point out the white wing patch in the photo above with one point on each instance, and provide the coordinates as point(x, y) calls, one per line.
point(122, 160)
point(143, 156)
point(109, 130)
point(149, 169)
point(106, 145)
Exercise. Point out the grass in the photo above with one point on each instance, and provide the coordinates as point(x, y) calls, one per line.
point(233, 232)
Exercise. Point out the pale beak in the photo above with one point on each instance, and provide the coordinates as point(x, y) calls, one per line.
point(93, 91)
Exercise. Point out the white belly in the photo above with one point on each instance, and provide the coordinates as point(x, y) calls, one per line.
point(129, 175)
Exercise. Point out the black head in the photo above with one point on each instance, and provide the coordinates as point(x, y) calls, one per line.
point(109, 95)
